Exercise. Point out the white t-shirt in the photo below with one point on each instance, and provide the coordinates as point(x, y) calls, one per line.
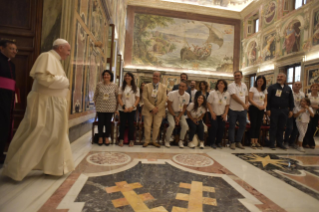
point(259, 97)
point(196, 114)
point(128, 97)
point(314, 100)
point(218, 101)
point(298, 97)
point(193, 94)
point(241, 92)
point(178, 100)
point(303, 117)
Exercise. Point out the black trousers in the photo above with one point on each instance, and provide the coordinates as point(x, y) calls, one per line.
point(278, 119)
point(216, 131)
point(309, 139)
point(6, 106)
point(256, 118)
point(195, 129)
point(104, 120)
point(129, 119)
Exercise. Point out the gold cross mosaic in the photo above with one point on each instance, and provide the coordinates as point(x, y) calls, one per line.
point(195, 198)
point(131, 198)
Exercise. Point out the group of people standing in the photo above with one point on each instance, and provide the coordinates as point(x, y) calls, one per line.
point(44, 128)
point(186, 107)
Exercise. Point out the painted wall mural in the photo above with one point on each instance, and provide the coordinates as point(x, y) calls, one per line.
point(269, 75)
point(269, 47)
point(79, 69)
point(315, 34)
point(291, 42)
point(282, 34)
point(270, 12)
point(170, 81)
point(311, 76)
point(167, 42)
point(88, 54)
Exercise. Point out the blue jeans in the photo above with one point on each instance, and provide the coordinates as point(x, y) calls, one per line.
point(241, 117)
point(278, 119)
point(216, 131)
point(291, 130)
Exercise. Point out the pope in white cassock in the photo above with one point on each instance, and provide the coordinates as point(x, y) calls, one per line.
point(41, 141)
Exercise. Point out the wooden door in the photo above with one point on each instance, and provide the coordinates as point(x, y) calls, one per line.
point(21, 20)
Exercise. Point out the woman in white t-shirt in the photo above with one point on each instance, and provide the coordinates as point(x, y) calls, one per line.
point(128, 98)
point(218, 105)
point(302, 115)
point(195, 112)
point(309, 140)
point(257, 98)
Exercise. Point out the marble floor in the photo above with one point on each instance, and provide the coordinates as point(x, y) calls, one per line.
point(136, 179)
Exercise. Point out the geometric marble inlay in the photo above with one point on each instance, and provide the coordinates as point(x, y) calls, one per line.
point(193, 160)
point(108, 158)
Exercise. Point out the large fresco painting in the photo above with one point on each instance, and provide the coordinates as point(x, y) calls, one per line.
point(315, 35)
point(177, 43)
point(97, 21)
point(79, 69)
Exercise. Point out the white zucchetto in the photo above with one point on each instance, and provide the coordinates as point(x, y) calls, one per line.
point(59, 41)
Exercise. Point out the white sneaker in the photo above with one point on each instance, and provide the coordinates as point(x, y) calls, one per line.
point(167, 144)
point(201, 144)
point(181, 144)
point(301, 149)
point(191, 145)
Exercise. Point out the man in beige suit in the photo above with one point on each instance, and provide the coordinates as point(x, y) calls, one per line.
point(154, 96)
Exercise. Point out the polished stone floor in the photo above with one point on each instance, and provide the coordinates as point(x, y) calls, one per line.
point(136, 179)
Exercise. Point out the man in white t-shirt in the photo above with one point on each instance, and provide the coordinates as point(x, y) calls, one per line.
point(177, 104)
point(193, 90)
point(291, 127)
point(238, 107)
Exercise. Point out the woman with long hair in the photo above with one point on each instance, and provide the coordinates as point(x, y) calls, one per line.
point(105, 100)
point(257, 98)
point(195, 112)
point(309, 141)
point(218, 105)
point(128, 98)
point(203, 89)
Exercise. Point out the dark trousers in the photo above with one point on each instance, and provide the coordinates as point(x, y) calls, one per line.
point(309, 139)
point(241, 117)
point(278, 119)
point(5, 126)
point(216, 131)
point(195, 129)
point(291, 131)
point(256, 118)
point(104, 119)
point(129, 119)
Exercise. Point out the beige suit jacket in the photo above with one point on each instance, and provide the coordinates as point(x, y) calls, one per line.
point(149, 101)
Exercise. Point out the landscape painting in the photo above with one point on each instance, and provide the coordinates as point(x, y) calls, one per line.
point(176, 43)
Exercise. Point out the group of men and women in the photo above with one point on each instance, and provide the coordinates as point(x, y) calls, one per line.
point(44, 128)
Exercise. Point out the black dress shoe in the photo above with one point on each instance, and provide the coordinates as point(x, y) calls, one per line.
point(214, 146)
point(219, 146)
point(282, 147)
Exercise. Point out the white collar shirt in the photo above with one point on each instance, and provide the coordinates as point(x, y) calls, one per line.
point(259, 96)
point(178, 101)
point(314, 100)
point(298, 97)
point(218, 101)
point(241, 92)
point(198, 113)
point(128, 97)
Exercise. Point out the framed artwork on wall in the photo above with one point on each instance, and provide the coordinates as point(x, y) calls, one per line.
point(179, 41)
point(311, 76)
point(170, 81)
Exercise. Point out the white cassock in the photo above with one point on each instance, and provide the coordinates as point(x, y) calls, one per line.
point(41, 141)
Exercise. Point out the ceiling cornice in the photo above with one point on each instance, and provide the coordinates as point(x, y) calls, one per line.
point(185, 8)
point(251, 7)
